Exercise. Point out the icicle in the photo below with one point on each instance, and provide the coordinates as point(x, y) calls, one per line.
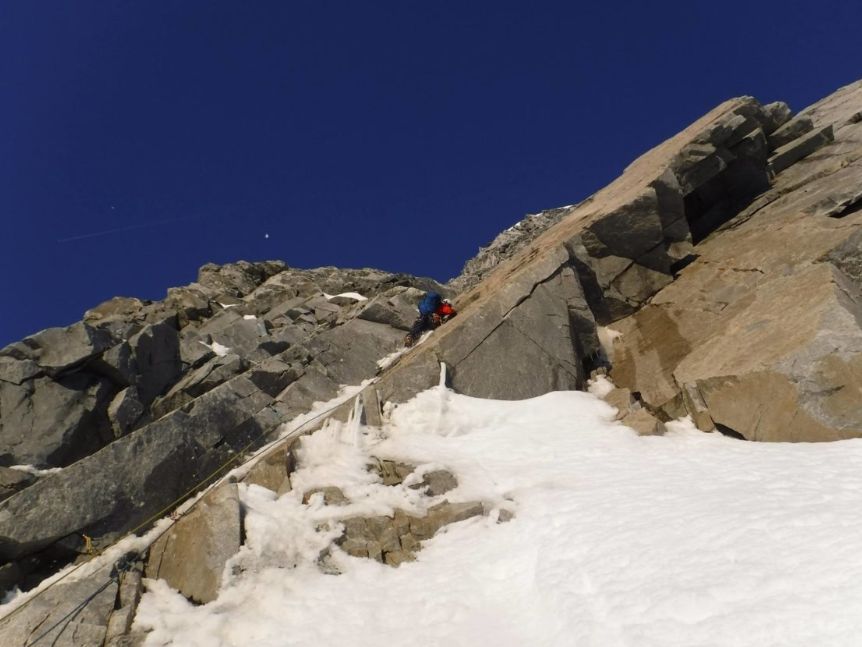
point(355, 421)
point(444, 397)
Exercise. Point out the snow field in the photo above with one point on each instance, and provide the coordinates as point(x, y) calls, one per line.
point(689, 539)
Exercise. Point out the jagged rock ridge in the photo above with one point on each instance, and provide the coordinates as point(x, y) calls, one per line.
point(183, 384)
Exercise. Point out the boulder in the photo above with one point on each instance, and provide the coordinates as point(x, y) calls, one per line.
point(330, 495)
point(769, 366)
point(56, 350)
point(118, 364)
point(156, 354)
point(394, 540)
point(190, 303)
point(314, 385)
point(391, 472)
point(441, 515)
point(116, 308)
point(273, 375)
point(16, 371)
point(643, 422)
point(775, 115)
point(273, 471)
point(53, 422)
point(243, 337)
point(191, 556)
point(237, 279)
point(195, 348)
point(396, 308)
point(125, 410)
point(197, 382)
point(12, 480)
point(437, 482)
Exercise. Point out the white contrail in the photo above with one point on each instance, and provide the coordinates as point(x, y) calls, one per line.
point(117, 230)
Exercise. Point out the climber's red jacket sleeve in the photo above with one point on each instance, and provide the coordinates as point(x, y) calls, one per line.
point(445, 310)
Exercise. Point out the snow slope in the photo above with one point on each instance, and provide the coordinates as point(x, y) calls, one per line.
point(690, 539)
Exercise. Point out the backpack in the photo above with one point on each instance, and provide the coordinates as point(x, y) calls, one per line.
point(429, 304)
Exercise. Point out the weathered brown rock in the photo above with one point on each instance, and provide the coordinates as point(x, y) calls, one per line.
point(761, 334)
point(621, 400)
point(273, 470)
point(437, 482)
point(643, 422)
point(392, 472)
point(117, 307)
point(192, 554)
point(331, 495)
point(128, 597)
point(395, 540)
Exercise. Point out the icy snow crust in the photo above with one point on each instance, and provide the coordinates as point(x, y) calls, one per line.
point(688, 539)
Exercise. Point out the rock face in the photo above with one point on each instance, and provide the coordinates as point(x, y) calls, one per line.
point(761, 334)
point(143, 400)
point(192, 555)
point(727, 259)
point(729, 266)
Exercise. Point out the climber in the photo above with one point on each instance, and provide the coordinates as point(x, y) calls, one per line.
point(433, 311)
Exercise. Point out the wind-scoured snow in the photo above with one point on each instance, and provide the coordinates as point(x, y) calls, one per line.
point(35, 471)
point(349, 295)
point(689, 539)
point(216, 347)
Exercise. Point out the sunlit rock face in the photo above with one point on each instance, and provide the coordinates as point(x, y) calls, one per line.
point(719, 277)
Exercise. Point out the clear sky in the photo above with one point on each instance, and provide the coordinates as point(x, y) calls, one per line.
point(139, 140)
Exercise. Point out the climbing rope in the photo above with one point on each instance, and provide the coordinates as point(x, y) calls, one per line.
point(69, 617)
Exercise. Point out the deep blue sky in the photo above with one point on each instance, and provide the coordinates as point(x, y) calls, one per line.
point(399, 135)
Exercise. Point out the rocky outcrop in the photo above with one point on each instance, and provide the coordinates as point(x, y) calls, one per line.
point(698, 255)
point(760, 335)
point(192, 555)
point(396, 539)
point(145, 399)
